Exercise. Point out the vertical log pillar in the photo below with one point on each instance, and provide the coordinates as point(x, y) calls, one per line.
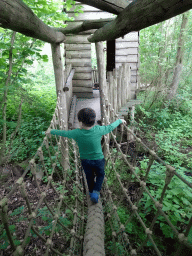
point(128, 82)
point(63, 116)
point(102, 81)
point(119, 89)
point(115, 89)
point(102, 74)
point(132, 114)
point(123, 84)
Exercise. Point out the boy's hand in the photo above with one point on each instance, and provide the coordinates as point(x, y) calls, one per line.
point(123, 121)
point(48, 131)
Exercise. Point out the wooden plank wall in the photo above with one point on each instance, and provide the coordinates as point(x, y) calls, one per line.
point(78, 51)
point(127, 52)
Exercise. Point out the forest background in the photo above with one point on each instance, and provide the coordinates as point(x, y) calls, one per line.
point(163, 120)
point(28, 97)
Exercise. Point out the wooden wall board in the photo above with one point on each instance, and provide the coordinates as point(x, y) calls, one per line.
point(78, 54)
point(80, 83)
point(87, 95)
point(80, 39)
point(133, 72)
point(133, 86)
point(85, 62)
point(81, 76)
point(83, 69)
point(134, 66)
point(82, 89)
point(128, 58)
point(133, 79)
point(130, 37)
point(77, 47)
point(126, 51)
point(120, 45)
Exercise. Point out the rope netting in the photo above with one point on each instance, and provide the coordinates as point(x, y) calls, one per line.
point(57, 216)
point(56, 220)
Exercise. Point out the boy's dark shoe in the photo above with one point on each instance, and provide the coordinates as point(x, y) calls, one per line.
point(95, 196)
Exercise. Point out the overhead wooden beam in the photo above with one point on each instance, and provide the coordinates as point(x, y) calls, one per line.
point(19, 17)
point(85, 25)
point(138, 15)
point(112, 6)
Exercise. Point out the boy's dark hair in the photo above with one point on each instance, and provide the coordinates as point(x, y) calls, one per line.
point(87, 116)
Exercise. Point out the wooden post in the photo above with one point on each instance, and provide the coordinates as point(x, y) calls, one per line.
point(101, 73)
point(128, 82)
point(132, 113)
point(123, 84)
point(119, 81)
point(115, 89)
point(102, 82)
point(63, 116)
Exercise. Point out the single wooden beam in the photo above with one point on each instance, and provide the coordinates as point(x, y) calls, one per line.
point(86, 25)
point(17, 16)
point(112, 6)
point(138, 15)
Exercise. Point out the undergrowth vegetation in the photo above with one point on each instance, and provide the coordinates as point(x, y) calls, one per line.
point(176, 204)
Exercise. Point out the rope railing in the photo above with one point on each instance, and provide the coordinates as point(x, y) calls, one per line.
point(58, 218)
point(136, 208)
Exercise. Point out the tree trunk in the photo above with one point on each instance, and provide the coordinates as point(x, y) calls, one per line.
point(179, 59)
point(63, 116)
point(3, 148)
point(138, 15)
point(19, 17)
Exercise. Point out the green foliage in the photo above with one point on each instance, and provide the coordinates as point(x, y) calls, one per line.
point(50, 12)
point(3, 237)
point(4, 241)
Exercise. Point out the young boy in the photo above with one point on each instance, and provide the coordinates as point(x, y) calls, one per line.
point(88, 138)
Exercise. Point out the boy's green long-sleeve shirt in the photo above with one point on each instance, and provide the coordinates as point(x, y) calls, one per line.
point(89, 141)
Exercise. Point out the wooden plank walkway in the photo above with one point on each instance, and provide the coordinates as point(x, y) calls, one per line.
point(93, 103)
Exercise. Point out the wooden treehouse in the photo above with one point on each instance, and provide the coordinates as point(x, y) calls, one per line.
point(78, 52)
point(117, 23)
point(120, 53)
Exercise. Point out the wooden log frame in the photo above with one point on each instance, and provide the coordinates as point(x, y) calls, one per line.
point(69, 80)
point(138, 15)
point(63, 113)
point(17, 16)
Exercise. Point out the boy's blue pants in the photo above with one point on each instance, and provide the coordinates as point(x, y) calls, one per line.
point(92, 169)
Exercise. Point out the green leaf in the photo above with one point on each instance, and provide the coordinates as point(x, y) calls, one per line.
point(190, 236)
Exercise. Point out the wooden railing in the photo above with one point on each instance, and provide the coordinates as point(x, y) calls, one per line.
point(118, 86)
point(95, 76)
point(68, 88)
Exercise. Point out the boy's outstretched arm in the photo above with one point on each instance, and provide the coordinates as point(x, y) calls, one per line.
point(69, 134)
point(108, 128)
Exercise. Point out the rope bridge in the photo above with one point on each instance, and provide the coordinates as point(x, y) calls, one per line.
point(64, 219)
